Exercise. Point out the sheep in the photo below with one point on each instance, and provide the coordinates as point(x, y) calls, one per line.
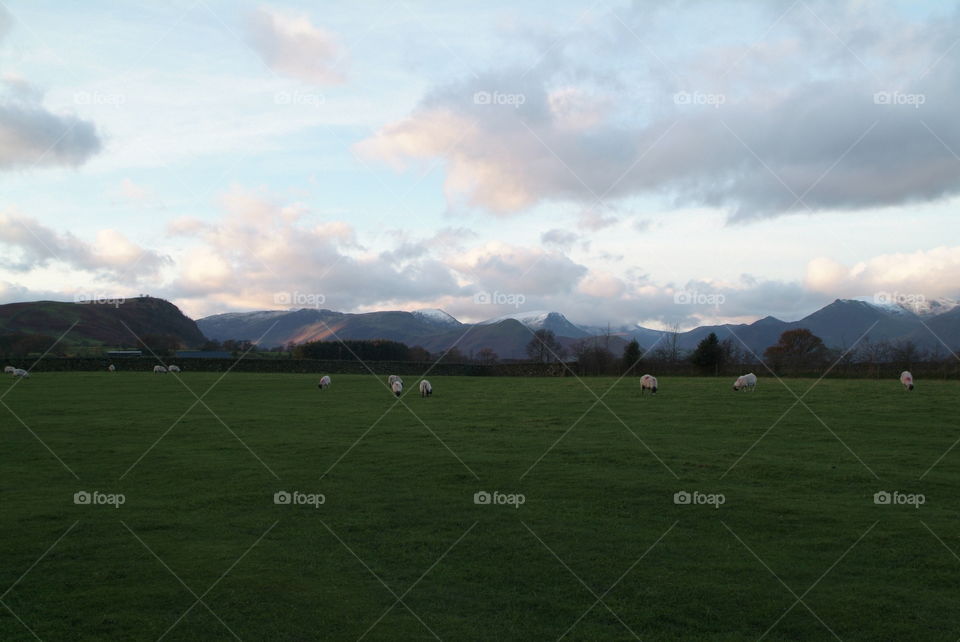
point(397, 386)
point(8, 370)
point(111, 368)
point(393, 378)
point(324, 382)
point(648, 382)
point(426, 390)
point(906, 379)
point(159, 370)
point(173, 368)
point(20, 372)
point(746, 381)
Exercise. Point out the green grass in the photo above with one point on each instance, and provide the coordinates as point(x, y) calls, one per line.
point(199, 499)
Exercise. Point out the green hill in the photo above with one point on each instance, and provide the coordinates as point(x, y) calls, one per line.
point(100, 324)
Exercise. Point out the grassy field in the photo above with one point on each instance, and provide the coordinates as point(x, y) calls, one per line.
point(399, 549)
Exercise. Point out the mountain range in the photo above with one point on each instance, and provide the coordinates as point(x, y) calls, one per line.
point(839, 324)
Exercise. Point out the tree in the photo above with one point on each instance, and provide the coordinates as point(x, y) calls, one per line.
point(487, 356)
point(797, 350)
point(162, 345)
point(733, 352)
point(667, 349)
point(453, 355)
point(592, 358)
point(631, 358)
point(544, 347)
point(419, 353)
point(709, 354)
point(904, 353)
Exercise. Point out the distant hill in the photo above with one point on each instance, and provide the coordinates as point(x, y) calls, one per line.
point(100, 323)
point(434, 330)
point(839, 324)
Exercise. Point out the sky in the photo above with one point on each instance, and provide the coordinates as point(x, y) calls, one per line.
point(651, 163)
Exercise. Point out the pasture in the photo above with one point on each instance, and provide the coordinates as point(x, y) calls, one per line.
point(199, 550)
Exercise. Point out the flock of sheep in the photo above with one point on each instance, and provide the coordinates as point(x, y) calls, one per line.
point(395, 383)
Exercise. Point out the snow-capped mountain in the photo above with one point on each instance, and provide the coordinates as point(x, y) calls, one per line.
point(840, 324)
point(433, 315)
point(910, 304)
point(542, 320)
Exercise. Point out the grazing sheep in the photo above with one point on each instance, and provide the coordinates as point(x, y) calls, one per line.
point(8, 370)
point(393, 378)
point(324, 382)
point(906, 379)
point(426, 390)
point(743, 382)
point(397, 386)
point(173, 368)
point(159, 370)
point(648, 382)
point(20, 372)
point(111, 368)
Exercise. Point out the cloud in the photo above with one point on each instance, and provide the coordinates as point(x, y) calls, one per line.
point(131, 191)
point(31, 135)
point(260, 249)
point(6, 23)
point(36, 246)
point(562, 239)
point(759, 132)
point(929, 273)
point(291, 45)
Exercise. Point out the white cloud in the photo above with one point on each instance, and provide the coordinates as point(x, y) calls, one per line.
point(931, 273)
point(293, 46)
point(36, 245)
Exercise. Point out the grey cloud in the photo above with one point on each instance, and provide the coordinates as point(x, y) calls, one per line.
point(799, 125)
point(31, 135)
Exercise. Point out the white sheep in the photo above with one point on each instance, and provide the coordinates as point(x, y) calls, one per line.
point(397, 386)
point(906, 379)
point(426, 390)
point(173, 368)
point(746, 381)
point(159, 370)
point(111, 368)
point(8, 370)
point(392, 378)
point(20, 372)
point(324, 382)
point(648, 382)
